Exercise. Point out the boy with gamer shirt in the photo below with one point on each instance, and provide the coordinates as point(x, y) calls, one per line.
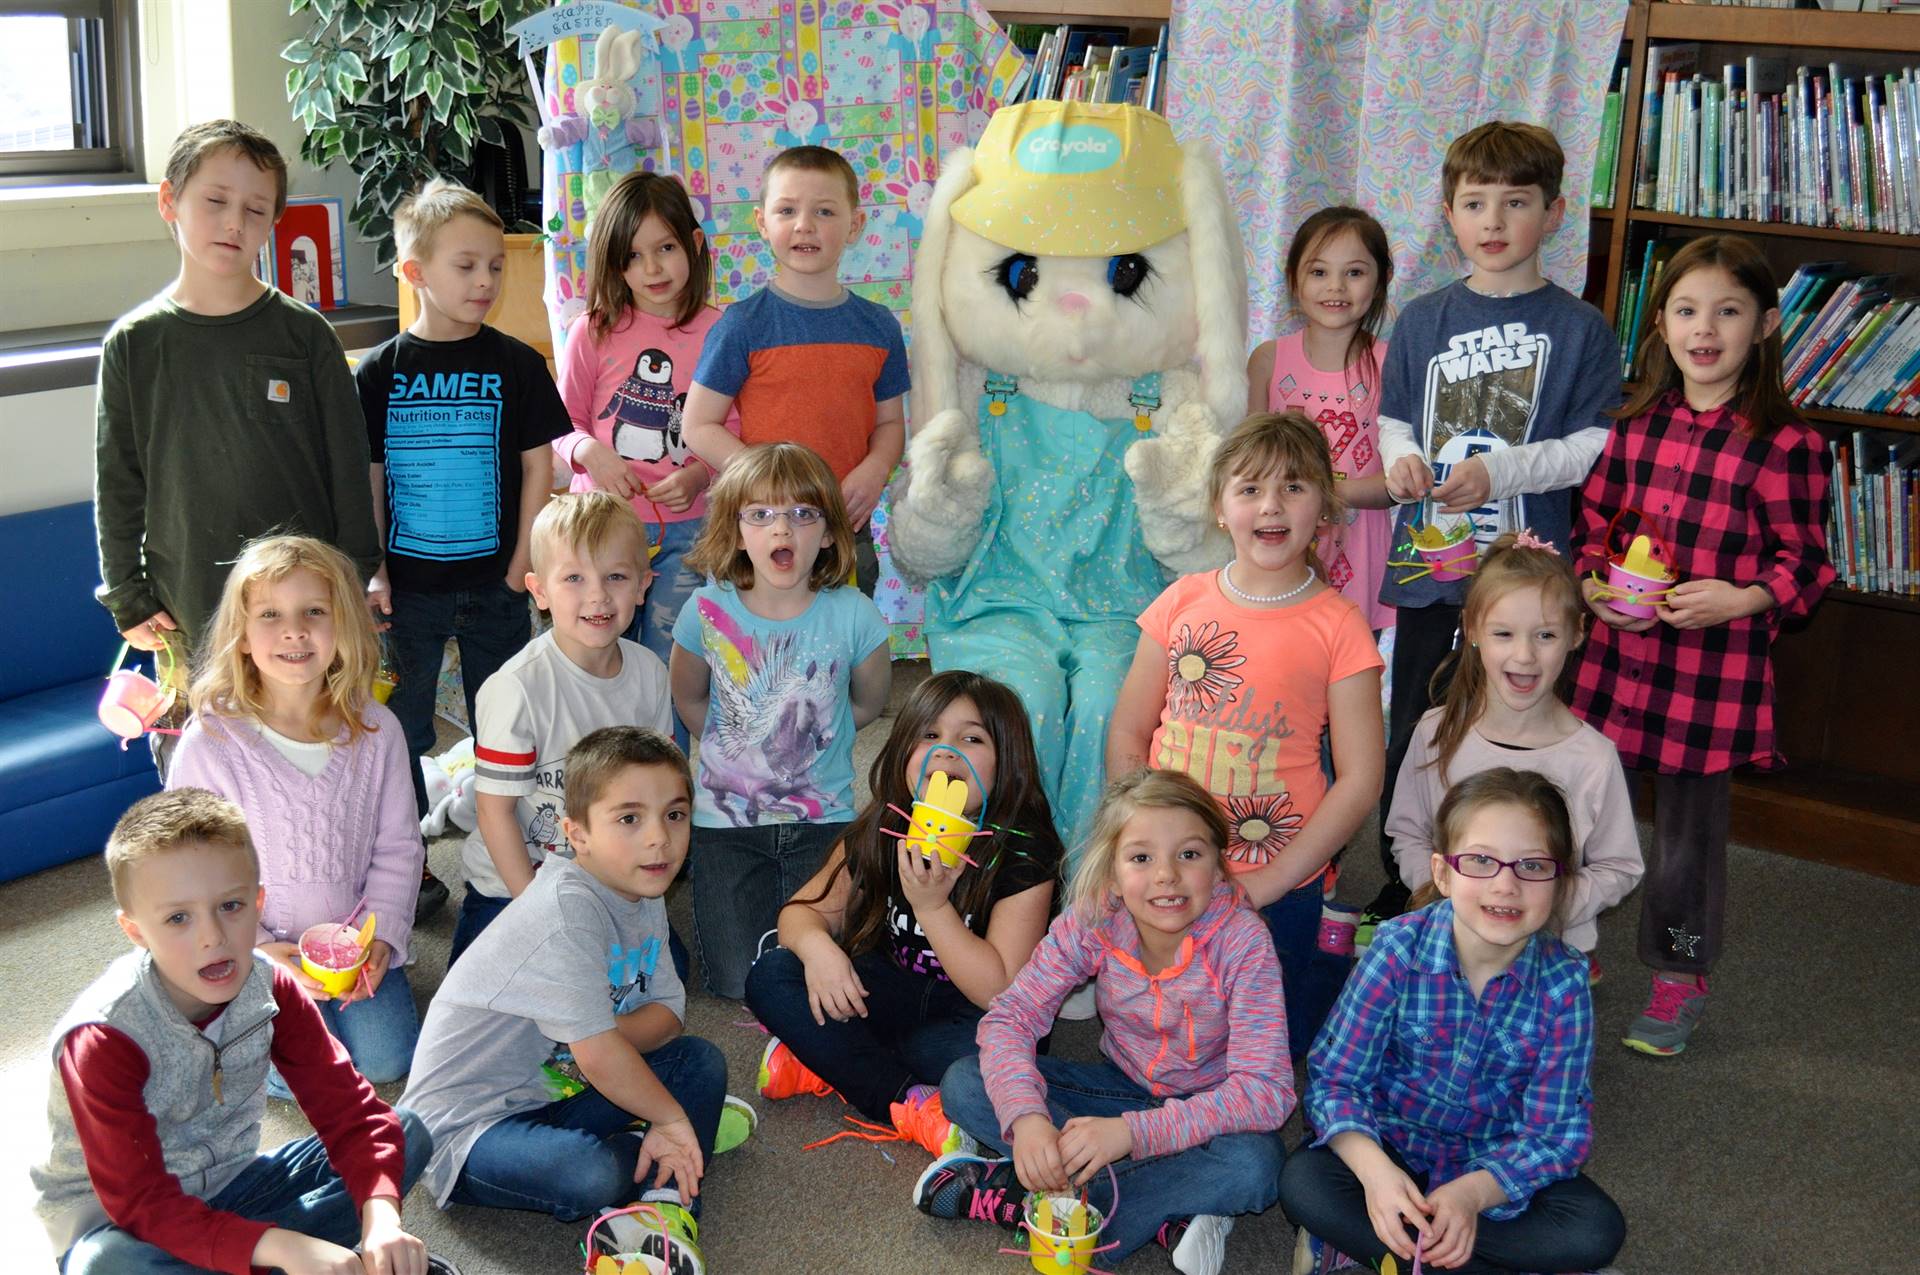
point(159, 1084)
point(1494, 405)
point(805, 360)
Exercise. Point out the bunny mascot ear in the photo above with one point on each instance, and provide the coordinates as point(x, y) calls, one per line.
point(603, 51)
point(936, 364)
point(1219, 285)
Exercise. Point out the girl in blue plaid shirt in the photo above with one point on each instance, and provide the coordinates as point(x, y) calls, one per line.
point(1448, 1094)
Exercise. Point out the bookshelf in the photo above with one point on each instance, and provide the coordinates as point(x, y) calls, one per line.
point(1848, 698)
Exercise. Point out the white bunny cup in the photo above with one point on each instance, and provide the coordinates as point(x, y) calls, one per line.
point(1079, 337)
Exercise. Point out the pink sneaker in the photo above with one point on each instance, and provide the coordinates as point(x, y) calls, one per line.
point(1337, 926)
point(1673, 1011)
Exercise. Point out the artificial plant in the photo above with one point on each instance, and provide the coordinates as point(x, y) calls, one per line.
point(403, 90)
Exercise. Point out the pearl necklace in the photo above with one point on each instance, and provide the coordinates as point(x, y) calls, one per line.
point(1226, 578)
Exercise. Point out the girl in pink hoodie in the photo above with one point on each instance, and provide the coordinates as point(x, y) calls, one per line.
point(1195, 1083)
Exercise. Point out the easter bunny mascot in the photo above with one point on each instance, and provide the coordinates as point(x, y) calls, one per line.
point(1079, 337)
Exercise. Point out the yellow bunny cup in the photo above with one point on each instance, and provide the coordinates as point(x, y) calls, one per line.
point(939, 822)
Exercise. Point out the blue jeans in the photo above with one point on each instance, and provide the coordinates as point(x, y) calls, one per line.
point(672, 585)
point(1571, 1225)
point(379, 1034)
point(916, 1026)
point(741, 876)
point(477, 911)
point(1311, 979)
point(492, 623)
point(1232, 1174)
point(575, 1157)
point(294, 1188)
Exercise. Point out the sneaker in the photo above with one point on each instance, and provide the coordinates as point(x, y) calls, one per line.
point(1389, 903)
point(964, 1187)
point(737, 1123)
point(1337, 926)
point(784, 1076)
point(1593, 969)
point(919, 1118)
point(1314, 1256)
point(433, 895)
point(1673, 1011)
point(1200, 1247)
point(438, 1265)
point(661, 1236)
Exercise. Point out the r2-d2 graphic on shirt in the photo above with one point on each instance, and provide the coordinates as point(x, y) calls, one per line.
point(646, 412)
point(1483, 391)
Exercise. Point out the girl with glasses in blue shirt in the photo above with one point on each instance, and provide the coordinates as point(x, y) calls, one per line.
point(1447, 1096)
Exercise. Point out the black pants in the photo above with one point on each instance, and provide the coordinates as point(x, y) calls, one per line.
point(1683, 900)
point(1569, 1226)
point(1423, 637)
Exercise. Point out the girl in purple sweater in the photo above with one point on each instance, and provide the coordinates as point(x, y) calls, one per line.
point(286, 728)
point(1187, 1104)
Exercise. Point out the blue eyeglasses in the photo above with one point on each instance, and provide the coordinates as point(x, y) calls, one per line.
point(766, 515)
point(1484, 867)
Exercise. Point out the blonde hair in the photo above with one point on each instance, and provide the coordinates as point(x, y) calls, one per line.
point(198, 141)
point(1527, 790)
point(173, 820)
point(588, 522)
point(1283, 443)
point(419, 219)
point(227, 684)
point(773, 474)
point(1092, 879)
point(1509, 153)
point(1506, 567)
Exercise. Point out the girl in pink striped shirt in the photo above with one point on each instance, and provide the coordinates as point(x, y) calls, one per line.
point(1187, 1104)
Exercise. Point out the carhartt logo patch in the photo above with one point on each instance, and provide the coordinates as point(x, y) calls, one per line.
point(277, 392)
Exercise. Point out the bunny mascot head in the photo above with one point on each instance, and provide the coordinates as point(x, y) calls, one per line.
point(1079, 345)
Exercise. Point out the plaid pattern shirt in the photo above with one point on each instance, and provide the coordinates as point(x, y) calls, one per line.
point(1745, 510)
point(1410, 1059)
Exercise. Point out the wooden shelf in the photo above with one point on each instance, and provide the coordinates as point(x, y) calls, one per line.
point(1886, 601)
point(1082, 11)
point(1782, 229)
point(1831, 815)
point(1862, 420)
point(1788, 28)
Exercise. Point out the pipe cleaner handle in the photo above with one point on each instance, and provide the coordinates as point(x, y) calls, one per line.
point(1653, 530)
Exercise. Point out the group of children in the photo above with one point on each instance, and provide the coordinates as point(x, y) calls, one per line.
point(703, 580)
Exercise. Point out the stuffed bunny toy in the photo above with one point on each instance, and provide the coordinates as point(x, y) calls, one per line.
point(604, 125)
point(1079, 337)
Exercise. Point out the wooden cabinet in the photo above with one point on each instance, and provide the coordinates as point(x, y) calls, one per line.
point(519, 310)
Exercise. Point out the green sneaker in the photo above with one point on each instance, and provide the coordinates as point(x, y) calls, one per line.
point(1673, 1011)
point(660, 1236)
point(737, 1123)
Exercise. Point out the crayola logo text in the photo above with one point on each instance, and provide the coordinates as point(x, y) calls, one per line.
point(1078, 148)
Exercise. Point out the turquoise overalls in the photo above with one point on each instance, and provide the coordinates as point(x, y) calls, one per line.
point(1049, 601)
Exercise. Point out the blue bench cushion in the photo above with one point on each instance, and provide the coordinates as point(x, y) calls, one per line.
point(65, 635)
point(52, 744)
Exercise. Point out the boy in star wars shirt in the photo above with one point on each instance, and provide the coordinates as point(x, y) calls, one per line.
point(1494, 402)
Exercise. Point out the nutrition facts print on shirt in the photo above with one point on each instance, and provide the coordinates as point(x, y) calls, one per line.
point(443, 465)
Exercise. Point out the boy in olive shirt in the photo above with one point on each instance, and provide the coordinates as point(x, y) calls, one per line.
point(225, 411)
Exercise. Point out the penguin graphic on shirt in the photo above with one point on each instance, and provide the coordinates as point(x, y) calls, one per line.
point(646, 412)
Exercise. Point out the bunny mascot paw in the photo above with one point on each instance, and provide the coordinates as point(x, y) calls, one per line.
point(1079, 347)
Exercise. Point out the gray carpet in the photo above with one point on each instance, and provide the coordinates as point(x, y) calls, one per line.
point(1783, 1141)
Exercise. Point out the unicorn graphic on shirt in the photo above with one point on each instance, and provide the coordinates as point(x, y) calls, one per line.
point(773, 719)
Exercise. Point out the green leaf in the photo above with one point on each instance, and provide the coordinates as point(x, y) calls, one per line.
point(463, 125)
point(489, 10)
point(293, 82)
point(490, 130)
point(439, 94)
point(297, 6)
point(468, 51)
point(323, 104)
point(397, 64)
point(352, 20)
point(350, 62)
point(297, 51)
point(409, 14)
point(324, 9)
point(416, 80)
point(340, 82)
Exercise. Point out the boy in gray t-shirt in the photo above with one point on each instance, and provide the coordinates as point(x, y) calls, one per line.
point(574, 980)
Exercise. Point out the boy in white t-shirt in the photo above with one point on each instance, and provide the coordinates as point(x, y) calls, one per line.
point(589, 553)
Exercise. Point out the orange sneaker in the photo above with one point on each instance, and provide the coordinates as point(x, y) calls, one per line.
point(784, 1076)
point(919, 1118)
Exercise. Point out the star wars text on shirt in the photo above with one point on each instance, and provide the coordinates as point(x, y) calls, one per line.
point(443, 465)
point(1482, 394)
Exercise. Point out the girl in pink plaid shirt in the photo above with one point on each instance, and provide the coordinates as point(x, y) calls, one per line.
point(1711, 451)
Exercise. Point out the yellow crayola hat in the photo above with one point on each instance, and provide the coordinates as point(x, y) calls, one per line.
point(1074, 179)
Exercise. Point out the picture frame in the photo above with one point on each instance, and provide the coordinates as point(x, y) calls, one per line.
point(308, 251)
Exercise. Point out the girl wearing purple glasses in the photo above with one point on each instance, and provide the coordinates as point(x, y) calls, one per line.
point(1447, 1097)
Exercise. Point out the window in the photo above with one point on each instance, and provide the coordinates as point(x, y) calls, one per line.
point(68, 94)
